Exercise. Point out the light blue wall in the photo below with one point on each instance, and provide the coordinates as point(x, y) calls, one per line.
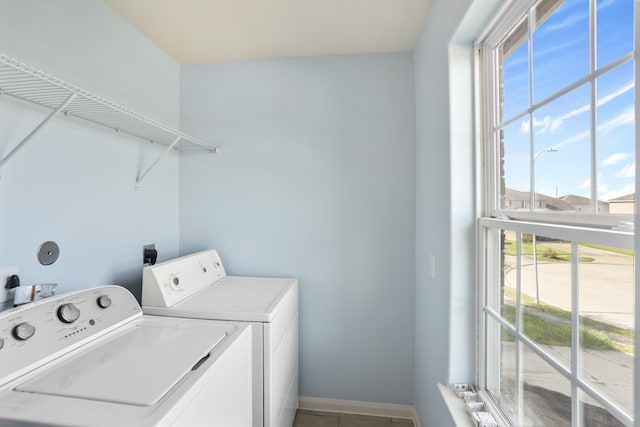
point(74, 182)
point(433, 228)
point(316, 179)
point(337, 170)
point(446, 177)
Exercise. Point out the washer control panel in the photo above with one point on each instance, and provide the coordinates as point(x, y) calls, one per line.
point(33, 332)
point(169, 282)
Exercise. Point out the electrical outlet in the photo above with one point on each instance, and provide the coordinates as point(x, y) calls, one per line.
point(461, 387)
point(5, 273)
point(146, 260)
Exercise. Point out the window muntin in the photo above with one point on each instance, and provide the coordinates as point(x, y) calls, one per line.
point(607, 316)
point(559, 180)
point(615, 127)
point(578, 318)
point(561, 137)
point(546, 394)
point(571, 134)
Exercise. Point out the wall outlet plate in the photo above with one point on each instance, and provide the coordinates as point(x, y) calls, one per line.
point(144, 249)
point(462, 387)
point(5, 273)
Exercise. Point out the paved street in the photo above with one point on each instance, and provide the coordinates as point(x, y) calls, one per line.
point(606, 284)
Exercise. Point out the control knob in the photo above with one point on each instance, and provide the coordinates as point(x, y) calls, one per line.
point(104, 301)
point(68, 313)
point(23, 331)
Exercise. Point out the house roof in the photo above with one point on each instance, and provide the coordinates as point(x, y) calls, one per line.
point(552, 203)
point(580, 200)
point(626, 198)
point(576, 200)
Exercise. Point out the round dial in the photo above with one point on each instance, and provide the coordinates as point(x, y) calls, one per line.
point(68, 313)
point(174, 280)
point(104, 301)
point(24, 331)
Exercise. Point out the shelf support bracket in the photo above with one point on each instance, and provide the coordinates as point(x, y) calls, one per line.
point(155, 162)
point(42, 124)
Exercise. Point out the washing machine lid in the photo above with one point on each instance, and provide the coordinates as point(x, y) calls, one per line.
point(137, 366)
point(233, 298)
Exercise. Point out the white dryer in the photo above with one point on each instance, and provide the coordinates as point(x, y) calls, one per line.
point(91, 358)
point(196, 286)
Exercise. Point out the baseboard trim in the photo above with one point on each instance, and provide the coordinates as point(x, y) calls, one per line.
point(361, 408)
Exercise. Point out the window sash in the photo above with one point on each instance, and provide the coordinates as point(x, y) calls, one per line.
point(604, 229)
point(493, 123)
point(490, 274)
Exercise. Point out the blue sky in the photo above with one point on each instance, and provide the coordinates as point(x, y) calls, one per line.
point(561, 57)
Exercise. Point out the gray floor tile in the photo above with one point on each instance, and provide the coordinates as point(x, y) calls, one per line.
point(351, 420)
point(323, 413)
point(308, 420)
point(401, 422)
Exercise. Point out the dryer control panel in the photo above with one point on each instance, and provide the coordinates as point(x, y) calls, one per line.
point(170, 282)
point(36, 332)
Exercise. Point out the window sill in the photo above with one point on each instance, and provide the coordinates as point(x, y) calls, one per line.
point(456, 407)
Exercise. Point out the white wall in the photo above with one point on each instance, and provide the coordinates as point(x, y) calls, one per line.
point(74, 182)
point(316, 179)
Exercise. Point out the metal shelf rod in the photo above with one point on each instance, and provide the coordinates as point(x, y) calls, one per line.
point(21, 76)
point(42, 124)
point(155, 162)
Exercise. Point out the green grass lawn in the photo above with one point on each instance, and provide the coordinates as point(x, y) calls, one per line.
point(593, 334)
point(543, 252)
point(609, 249)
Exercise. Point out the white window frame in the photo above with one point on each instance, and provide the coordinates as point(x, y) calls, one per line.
point(603, 229)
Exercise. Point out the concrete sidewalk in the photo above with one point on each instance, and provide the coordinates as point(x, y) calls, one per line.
point(609, 372)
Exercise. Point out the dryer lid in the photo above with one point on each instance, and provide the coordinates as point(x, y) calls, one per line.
point(137, 366)
point(238, 298)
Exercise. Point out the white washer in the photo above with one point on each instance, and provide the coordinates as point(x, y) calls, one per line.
point(91, 358)
point(196, 286)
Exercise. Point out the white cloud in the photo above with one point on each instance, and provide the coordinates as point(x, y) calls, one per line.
point(539, 126)
point(568, 21)
point(627, 189)
point(626, 88)
point(616, 158)
point(574, 138)
point(553, 124)
point(585, 184)
point(621, 119)
point(601, 187)
point(628, 171)
point(618, 121)
point(605, 3)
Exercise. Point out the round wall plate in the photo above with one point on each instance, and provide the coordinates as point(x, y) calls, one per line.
point(48, 253)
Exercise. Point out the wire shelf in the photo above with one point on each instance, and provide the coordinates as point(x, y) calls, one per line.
point(30, 84)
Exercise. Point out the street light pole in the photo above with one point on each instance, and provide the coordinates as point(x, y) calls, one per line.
point(533, 236)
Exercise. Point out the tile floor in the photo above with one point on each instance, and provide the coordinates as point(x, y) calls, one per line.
point(306, 418)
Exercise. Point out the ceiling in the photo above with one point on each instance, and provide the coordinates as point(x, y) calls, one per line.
point(202, 31)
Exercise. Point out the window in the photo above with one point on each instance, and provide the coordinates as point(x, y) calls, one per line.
point(558, 283)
